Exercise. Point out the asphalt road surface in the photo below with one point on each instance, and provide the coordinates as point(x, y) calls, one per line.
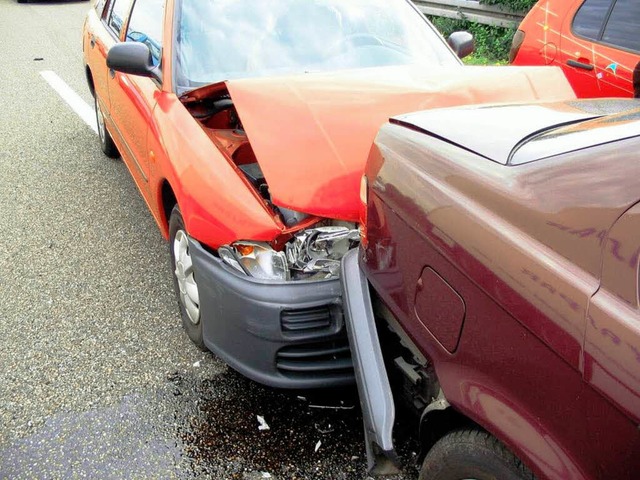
point(97, 378)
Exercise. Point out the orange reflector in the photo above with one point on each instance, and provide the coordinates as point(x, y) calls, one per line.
point(244, 250)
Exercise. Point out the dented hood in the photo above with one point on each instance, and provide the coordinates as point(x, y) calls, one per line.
point(312, 133)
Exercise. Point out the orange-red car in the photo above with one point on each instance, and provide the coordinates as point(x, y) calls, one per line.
point(246, 126)
point(595, 42)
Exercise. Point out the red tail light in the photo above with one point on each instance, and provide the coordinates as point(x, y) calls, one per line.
point(516, 43)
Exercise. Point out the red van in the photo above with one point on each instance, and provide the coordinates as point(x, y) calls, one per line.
point(595, 42)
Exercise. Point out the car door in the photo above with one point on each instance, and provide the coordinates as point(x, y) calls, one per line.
point(599, 47)
point(132, 97)
point(102, 32)
point(619, 49)
point(577, 51)
point(612, 352)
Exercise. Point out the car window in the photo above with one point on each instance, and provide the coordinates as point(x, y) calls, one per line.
point(145, 26)
point(225, 39)
point(100, 7)
point(590, 18)
point(117, 16)
point(622, 28)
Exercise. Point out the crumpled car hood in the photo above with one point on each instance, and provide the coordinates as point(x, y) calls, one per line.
point(312, 133)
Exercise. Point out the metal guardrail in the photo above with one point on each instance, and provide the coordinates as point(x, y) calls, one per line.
point(471, 10)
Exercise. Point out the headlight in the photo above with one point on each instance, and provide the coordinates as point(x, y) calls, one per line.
point(311, 254)
point(256, 259)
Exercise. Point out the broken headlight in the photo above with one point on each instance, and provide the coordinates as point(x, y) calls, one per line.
point(256, 259)
point(319, 250)
point(311, 254)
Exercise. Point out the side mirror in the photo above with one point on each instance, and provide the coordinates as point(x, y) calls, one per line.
point(461, 43)
point(133, 58)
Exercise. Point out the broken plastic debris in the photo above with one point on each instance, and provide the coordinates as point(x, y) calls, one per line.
point(318, 446)
point(324, 430)
point(197, 364)
point(262, 425)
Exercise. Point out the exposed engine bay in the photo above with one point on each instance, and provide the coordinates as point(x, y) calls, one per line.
point(312, 253)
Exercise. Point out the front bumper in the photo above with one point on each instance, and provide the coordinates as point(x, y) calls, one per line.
point(281, 334)
point(374, 390)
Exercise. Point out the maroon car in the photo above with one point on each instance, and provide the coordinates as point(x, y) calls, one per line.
point(502, 256)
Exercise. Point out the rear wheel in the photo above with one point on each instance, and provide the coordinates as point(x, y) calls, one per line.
point(106, 142)
point(184, 280)
point(472, 455)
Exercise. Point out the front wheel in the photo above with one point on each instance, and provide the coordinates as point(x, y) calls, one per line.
point(184, 280)
point(106, 142)
point(472, 455)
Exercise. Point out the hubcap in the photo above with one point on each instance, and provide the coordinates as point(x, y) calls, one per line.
point(189, 295)
point(100, 121)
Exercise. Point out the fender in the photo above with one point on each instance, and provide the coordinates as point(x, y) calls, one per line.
point(521, 430)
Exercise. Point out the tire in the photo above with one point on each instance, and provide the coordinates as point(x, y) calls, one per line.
point(472, 454)
point(184, 281)
point(106, 142)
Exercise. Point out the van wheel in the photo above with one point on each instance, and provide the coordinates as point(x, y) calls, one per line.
point(184, 280)
point(472, 455)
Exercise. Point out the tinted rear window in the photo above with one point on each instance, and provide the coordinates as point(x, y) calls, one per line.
point(623, 27)
point(590, 17)
point(612, 22)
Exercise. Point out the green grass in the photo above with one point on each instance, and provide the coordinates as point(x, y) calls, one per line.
point(492, 43)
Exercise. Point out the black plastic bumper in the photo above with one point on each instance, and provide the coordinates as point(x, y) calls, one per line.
point(281, 334)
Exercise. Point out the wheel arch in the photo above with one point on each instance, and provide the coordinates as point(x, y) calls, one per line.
point(167, 200)
point(436, 423)
point(90, 83)
point(470, 404)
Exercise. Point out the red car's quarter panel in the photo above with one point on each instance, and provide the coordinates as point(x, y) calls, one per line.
point(593, 68)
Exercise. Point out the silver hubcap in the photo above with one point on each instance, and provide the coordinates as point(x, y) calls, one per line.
point(100, 121)
point(189, 295)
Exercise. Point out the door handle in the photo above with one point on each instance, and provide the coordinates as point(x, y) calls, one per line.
point(583, 66)
point(112, 73)
point(92, 41)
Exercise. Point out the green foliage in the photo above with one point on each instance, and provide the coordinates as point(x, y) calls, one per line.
point(518, 5)
point(492, 43)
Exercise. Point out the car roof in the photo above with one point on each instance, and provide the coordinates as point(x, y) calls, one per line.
point(518, 134)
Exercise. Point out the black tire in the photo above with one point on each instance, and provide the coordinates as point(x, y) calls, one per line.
point(192, 323)
point(472, 454)
point(106, 142)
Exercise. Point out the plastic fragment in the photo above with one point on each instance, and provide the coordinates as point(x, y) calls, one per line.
point(262, 424)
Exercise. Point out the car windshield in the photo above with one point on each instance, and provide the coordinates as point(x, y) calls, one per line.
point(226, 39)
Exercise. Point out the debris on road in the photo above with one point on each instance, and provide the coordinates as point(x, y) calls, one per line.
point(262, 424)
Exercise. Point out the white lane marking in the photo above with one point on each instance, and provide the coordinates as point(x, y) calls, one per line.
point(77, 104)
